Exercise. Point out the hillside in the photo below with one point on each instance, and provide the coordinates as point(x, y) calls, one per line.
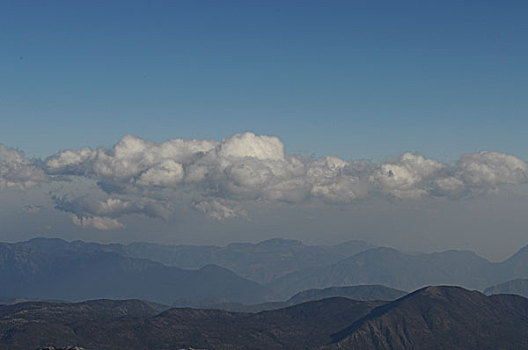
point(441, 318)
point(430, 318)
point(29, 325)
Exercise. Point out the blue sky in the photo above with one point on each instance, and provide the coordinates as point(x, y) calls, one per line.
point(365, 80)
point(356, 79)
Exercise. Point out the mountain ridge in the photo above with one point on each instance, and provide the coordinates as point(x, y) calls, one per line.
point(434, 317)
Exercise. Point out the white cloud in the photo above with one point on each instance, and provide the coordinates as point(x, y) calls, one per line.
point(336, 181)
point(487, 169)
point(16, 171)
point(218, 177)
point(407, 176)
point(168, 173)
point(69, 161)
point(251, 146)
point(450, 186)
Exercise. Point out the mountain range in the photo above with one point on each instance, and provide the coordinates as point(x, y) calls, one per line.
point(53, 269)
point(430, 318)
point(406, 271)
point(289, 266)
point(58, 270)
point(261, 262)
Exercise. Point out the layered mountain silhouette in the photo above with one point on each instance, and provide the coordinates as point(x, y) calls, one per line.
point(361, 293)
point(406, 271)
point(260, 262)
point(517, 286)
point(430, 318)
point(55, 269)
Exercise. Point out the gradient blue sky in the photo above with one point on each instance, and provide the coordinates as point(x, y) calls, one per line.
point(355, 79)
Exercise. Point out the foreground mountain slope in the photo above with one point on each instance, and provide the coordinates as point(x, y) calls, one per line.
point(517, 286)
point(430, 318)
point(308, 325)
point(57, 270)
point(441, 318)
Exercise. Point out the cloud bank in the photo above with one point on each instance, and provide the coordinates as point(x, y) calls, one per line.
point(219, 178)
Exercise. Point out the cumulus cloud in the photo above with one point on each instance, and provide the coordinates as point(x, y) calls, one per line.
point(17, 171)
point(488, 169)
point(406, 177)
point(218, 178)
point(336, 181)
point(249, 145)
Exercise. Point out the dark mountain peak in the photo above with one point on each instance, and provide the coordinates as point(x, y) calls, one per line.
point(441, 292)
point(444, 293)
point(441, 317)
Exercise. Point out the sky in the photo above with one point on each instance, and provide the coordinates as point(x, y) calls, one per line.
point(242, 120)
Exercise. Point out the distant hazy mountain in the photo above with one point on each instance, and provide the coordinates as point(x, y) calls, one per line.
point(518, 286)
point(55, 269)
point(512, 268)
point(441, 318)
point(260, 262)
point(430, 318)
point(392, 268)
point(361, 292)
